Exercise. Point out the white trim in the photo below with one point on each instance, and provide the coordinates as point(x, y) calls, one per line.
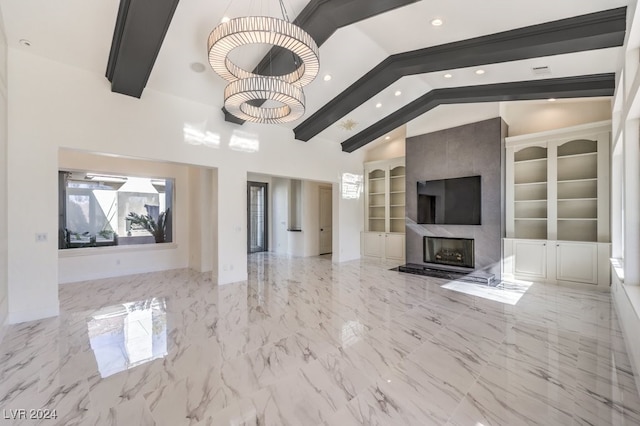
point(33, 314)
point(97, 251)
point(531, 138)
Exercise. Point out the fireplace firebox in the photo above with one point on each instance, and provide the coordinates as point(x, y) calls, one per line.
point(449, 251)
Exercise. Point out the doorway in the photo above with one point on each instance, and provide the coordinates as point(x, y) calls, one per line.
point(326, 228)
point(257, 217)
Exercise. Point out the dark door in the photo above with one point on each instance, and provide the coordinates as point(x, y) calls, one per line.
point(257, 207)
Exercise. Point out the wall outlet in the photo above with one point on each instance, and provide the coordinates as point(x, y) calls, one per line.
point(41, 237)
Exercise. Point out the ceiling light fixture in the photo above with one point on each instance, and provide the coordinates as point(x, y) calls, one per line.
point(436, 22)
point(378, 105)
point(448, 75)
point(480, 72)
point(398, 93)
point(225, 19)
point(348, 124)
point(551, 99)
point(244, 86)
point(387, 138)
point(327, 77)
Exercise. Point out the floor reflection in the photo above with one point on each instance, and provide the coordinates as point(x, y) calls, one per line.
point(505, 292)
point(129, 334)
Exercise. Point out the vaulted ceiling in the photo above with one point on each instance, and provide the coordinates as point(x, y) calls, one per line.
point(389, 66)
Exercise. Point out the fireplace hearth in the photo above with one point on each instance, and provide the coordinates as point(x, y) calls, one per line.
point(449, 251)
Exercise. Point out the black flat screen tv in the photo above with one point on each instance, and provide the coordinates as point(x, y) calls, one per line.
point(450, 201)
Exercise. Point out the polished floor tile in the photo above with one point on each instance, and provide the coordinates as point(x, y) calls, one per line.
point(308, 342)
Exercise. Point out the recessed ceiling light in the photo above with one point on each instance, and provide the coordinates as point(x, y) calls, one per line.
point(24, 42)
point(398, 93)
point(327, 77)
point(197, 67)
point(378, 105)
point(387, 138)
point(551, 99)
point(436, 22)
point(479, 72)
point(448, 75)
point(225, 19)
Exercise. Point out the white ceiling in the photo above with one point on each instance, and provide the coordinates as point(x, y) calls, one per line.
point(79, 32)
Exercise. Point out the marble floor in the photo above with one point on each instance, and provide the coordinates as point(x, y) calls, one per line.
point(308, 342)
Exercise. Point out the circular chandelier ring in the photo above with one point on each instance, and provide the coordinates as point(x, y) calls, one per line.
point(240, 32)
point(239, 93)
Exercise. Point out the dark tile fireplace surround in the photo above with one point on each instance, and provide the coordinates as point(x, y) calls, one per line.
point(457, 252)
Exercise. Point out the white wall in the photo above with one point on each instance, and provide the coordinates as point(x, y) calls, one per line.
point(386, 150)
point(3, 180)
point(526, 117)
point(279, 215)
point(311, 218)
point(91, 263)
point(200, 223)
point(52, 105)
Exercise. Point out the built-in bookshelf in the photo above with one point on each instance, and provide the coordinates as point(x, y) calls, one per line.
point(557, 206)
point(385, 186)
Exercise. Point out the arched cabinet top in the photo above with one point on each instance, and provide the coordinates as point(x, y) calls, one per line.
point(578, 146)
point(531, 153)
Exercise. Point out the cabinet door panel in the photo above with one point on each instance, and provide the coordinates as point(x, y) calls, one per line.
point(577, 262)
point(394, 246)
point(530, 258)
point(373, 244)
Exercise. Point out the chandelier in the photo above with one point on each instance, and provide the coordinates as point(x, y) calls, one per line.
point(246, 94)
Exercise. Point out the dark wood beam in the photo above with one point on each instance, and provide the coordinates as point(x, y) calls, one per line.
point(321, 18)
point(138, 35)
point(568, 87)
point(597, 30)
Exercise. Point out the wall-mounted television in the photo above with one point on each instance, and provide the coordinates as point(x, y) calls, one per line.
point(454, 201)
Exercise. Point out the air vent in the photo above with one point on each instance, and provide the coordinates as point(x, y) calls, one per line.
point(544, 70)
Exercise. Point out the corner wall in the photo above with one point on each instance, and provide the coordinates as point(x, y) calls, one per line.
point(4, 310)
point(472, 149)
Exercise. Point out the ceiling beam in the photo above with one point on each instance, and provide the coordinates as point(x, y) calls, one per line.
point(581, 33)
point(138, 35)
point(568, 87)
point(320, 18)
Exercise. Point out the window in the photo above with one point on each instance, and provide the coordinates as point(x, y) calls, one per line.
point(105, 210)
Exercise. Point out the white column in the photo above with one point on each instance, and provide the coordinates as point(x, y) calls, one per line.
point(632, 202)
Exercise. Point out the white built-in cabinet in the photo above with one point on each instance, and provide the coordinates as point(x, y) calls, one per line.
point(384, 209)
point(557, 205)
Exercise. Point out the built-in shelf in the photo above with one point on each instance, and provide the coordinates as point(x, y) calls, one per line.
point(584, 154)
point(531, 183)
point(385, 209)
point(554, 188)
point(535, 160)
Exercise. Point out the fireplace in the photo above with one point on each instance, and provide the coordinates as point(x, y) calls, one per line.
point(449, 251)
